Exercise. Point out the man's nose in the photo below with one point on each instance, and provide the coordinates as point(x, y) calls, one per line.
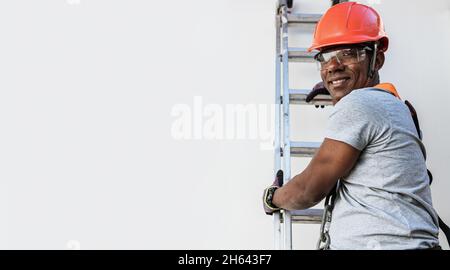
point(334, 65)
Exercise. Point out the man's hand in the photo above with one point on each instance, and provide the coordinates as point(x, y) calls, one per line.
point(269, 207)
point(318, 89)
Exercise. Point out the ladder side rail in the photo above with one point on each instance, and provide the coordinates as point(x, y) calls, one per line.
point(287, 222)
point(277, 137)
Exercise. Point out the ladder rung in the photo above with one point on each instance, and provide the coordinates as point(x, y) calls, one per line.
point(300, 55)
point(303, 18)
point(298, 96)
point(304, 149)
point(311, 216)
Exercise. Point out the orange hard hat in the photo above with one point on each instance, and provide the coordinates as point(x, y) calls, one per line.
point(349, 23)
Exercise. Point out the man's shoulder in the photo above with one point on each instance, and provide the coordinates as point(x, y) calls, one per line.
point(365, 99)
point(369, 92)
point(354, 99)
point(366, 103)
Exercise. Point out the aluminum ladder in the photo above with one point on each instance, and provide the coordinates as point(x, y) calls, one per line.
point(284, 148)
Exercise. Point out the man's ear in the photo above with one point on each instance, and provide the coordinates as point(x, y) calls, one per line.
point(379, 61)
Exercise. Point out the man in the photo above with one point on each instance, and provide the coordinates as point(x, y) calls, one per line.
point(371, 145)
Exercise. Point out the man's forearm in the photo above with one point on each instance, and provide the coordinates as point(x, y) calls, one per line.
point(293, 195)
point(333, 160)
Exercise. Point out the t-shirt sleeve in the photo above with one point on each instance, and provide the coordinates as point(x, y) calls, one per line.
point(351, 122)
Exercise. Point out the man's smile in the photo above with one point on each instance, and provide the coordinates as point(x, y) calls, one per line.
point(338, 82)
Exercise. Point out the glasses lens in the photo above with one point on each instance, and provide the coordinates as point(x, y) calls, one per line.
point(344, 57)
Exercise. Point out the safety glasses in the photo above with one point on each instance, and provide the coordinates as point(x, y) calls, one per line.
point(345, 56)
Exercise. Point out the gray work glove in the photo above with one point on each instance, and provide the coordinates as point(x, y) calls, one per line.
point(269, 207)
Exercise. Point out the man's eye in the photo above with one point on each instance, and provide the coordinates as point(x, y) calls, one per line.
point(348, 53)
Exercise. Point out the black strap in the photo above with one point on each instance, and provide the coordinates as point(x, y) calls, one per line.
point(419, 132)
point(430, 176)
point(414, 117)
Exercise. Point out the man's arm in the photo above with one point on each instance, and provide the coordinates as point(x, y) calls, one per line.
point(333, 160)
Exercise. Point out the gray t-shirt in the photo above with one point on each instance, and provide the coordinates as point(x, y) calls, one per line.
point(385, 201)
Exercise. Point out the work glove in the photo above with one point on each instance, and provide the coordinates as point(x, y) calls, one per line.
point(269, 207)
point(318, 89)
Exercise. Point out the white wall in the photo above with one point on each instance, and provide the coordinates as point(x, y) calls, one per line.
point(87, 92)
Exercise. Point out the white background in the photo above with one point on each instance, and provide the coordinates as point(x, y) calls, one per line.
point(87, 89)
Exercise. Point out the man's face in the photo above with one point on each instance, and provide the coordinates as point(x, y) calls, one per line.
point(340, 79)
